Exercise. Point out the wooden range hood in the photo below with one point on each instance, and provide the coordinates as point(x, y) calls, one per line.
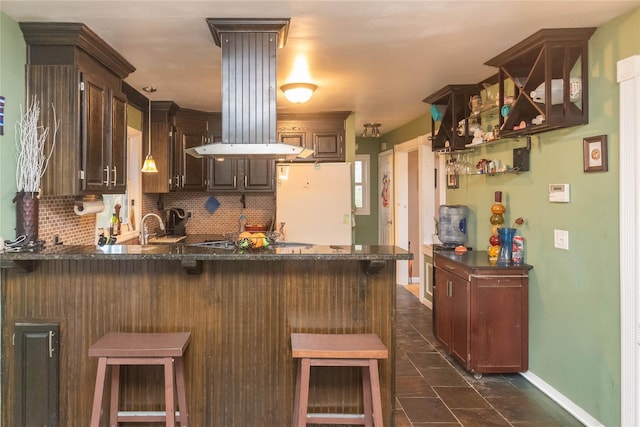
point(249, 89)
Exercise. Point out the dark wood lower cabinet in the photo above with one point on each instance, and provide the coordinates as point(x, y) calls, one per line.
point(36, 355)
point(482, 312)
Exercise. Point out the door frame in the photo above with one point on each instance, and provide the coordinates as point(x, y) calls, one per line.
point(629, 80)
point(426, 204)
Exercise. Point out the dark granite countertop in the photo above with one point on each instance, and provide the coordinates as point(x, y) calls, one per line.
point(188, 252)
point(477, 260)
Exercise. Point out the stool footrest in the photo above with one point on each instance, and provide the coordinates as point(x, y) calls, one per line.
point(150, 416)
point(320, 418)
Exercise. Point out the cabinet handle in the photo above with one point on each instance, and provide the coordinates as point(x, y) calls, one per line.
point(449, 288)
point(176, 185)
point(234, 181)
point(245, 181)
point(51, 345)
point(106, 176)
point(115, 176)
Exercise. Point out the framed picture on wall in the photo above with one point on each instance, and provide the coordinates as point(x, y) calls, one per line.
point(595, 154)
point(452, 180)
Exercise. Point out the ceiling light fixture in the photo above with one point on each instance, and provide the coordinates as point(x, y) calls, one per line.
point(149, 165)
point(298, 93)
point(371, 130)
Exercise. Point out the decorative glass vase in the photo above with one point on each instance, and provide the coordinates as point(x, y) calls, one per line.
point(27, 210)
point(506, 244)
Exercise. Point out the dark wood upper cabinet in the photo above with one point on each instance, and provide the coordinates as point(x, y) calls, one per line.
point(322, 132)
point(452, 101)
point(242, 175)
point(223, 175)
point(163, 135)
point(72, 70)
point(548, 75)
point(191, 131)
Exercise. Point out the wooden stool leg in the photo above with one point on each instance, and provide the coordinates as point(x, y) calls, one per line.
point(115, 395)
point(182, 395)
point(375, 392)
point(366, 396)
point(296, 397)
point(302, 393)
point(98, 392)
point(170, 407)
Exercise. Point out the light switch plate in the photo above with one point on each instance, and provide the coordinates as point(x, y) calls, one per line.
point(561, 239)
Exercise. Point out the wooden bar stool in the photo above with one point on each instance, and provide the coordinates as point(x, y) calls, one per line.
point(118, 349)
point(339, 350)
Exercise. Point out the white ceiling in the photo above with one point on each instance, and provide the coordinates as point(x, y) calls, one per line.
point(378, 59)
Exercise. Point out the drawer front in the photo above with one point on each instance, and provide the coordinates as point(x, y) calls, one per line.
point(452, 267)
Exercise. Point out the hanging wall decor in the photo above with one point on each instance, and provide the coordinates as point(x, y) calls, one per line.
point(595, 154)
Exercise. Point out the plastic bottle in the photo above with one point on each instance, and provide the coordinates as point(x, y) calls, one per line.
point(452, 224)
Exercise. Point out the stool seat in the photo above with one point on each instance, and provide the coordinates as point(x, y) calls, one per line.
point(118, 349)
point(338, 346)
point(361, 350)
point(131, 344)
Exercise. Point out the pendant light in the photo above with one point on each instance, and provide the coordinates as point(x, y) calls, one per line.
point(149, 165)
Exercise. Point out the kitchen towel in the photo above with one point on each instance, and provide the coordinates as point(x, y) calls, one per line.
point(212, 204)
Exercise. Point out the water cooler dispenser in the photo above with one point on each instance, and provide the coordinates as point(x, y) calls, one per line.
point(453, 225)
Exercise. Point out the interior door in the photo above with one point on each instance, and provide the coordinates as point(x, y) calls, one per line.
point(386, 234)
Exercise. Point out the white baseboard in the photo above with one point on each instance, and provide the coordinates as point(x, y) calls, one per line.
point(581, 415)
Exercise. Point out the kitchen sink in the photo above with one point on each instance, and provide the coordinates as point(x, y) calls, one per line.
point(166, 240)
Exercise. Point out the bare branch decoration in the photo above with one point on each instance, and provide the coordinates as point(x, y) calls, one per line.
point(31, 139)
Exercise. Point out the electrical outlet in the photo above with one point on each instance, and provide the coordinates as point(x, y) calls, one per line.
point(561, 239)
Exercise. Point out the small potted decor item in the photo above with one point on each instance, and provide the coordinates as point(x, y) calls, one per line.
point(31, 164)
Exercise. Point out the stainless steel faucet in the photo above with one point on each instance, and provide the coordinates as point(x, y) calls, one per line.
point(144, 233)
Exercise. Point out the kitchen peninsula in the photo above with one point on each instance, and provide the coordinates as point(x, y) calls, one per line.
point(239, 307)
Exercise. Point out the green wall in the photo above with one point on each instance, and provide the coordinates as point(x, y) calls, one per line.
point(12, 59)
point(574, 308)
point(366, 230)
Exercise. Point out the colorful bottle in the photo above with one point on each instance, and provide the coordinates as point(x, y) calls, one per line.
point(496, 220)
point(113, 226)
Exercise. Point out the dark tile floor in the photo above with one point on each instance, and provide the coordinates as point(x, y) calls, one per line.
point(433, 390)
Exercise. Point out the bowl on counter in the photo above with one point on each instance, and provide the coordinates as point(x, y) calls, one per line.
point(253, 240)
point(253, 228)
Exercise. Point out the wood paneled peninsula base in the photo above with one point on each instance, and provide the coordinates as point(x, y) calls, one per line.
point(240, 309)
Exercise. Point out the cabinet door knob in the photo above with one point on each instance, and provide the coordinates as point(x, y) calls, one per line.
point(106, 176)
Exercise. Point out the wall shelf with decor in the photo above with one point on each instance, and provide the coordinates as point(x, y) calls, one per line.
point(450, 112)
point(548, 72)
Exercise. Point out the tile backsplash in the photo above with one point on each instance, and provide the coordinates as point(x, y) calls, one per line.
point(57, 217)
point(260, 208)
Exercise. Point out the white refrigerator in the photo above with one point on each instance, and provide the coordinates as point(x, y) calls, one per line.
point(314, 202)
